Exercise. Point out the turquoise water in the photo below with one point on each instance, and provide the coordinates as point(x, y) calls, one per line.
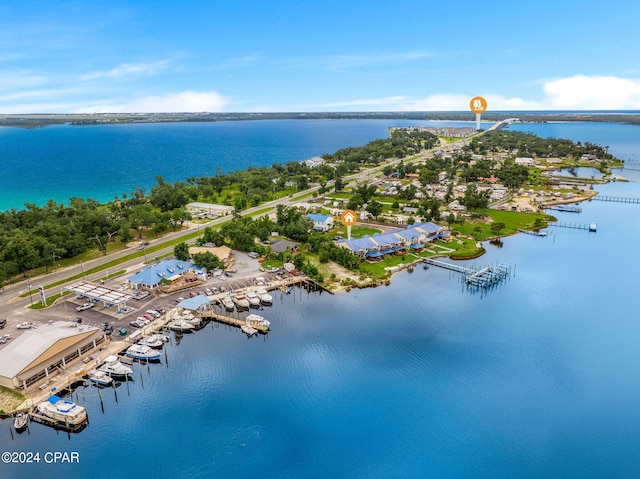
point(539, 377)
point(104, 161)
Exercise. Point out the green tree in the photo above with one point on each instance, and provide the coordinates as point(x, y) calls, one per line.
point(374, 209)
point(207, 260)
point(497, 227)
point(181, 251)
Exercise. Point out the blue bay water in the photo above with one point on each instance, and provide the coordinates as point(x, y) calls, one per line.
point(539, 377)
point(103, 161)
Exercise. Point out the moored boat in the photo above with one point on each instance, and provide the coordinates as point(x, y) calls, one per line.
point(228, 303)
point(241, 302)
point(155, 341)
point(254, 300)
point(62, 411)
point(257, 322)
point(142, 351)
point(21, 421)
point(101, 378)
point(113, 367)
point(265, 297)
point(180, 326)
point(248, 330)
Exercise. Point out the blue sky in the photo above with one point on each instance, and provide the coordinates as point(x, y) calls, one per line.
point(323, 55)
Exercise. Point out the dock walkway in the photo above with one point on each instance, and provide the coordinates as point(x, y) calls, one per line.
point(486, 277)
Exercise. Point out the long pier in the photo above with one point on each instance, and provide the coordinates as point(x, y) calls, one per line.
point(484, 278)
point(568, 208)
point(592, 227)
point(616, 199)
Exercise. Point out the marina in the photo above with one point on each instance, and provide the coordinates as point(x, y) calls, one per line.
point(485, 277)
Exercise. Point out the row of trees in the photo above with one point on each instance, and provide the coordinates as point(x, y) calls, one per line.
point(39, 236)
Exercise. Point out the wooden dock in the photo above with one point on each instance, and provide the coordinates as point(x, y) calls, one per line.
point(591, 227)
point(39, 418)
point(238, 322)
point(533, 232)
point(486, 277)
point(616, 199)
point(566, 208)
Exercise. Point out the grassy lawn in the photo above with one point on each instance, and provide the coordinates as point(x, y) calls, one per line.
point(378, 269)
point(465, 248)
point(260, 212)
point(356, 231)
point(513, 221)
point(9, 400)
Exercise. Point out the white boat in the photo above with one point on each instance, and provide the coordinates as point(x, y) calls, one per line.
point(142, 351)
point(228, 303)
point(100, 377)
point(113, 367)
point(254, 300)
point(155, 341)
point(248, 330)
point(21, 421)
point(265, 297)
point(240, 301)
point(191, 319)
point(62, 411)
point(180, 326)
point(258, 322)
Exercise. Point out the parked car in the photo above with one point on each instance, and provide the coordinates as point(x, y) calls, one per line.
point(107, 328)
point(253, 255)
point(141, 295)
point(85, 306)
point(78, 320)
point(192, 294)
point(153, 313)
point(138, 323)
point(3, 323)
point(208, 292)
point(148, 317)
point(23, 326)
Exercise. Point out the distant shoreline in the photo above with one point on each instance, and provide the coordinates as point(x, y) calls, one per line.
point(45, 119)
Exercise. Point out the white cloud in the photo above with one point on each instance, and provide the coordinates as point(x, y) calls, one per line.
point(581, 92)
point(186, 101)
point(129, 70)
